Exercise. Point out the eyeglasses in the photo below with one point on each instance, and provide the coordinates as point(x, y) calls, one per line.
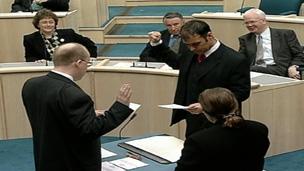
point(251, 22)
point(89, 63)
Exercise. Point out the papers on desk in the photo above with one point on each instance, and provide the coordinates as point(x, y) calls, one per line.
point(122, 164)
point(128, 163)
point(173, 106)
point(170, 148)
point(107, 166)
point(106, 153)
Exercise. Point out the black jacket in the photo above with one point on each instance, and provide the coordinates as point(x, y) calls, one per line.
point(54, 5)
point(35, 47)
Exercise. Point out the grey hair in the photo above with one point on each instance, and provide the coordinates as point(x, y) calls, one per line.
point(256, 11)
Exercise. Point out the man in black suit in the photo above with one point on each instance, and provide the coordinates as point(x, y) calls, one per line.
point(26, 5)
point(211, 65)
point(66, 128)
point(270, 50)
point(169, 37)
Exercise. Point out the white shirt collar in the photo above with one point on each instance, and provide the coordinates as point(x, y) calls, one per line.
point(213, 48)
point(64, 74)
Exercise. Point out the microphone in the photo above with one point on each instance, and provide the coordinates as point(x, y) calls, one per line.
point(242, 6)
point(131, 118)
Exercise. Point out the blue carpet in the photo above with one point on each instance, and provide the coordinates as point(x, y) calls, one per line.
point(17, 155)
point(120, 50)
point(293, 161)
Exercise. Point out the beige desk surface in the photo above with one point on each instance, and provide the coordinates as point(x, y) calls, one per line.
point(278, 105)
point(15, 25)
point(228, 26)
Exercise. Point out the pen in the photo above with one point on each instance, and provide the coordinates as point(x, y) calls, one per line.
point(133, 155)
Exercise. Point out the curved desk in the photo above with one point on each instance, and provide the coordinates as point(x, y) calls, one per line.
point(277, 102)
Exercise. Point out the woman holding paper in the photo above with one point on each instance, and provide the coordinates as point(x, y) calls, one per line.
point(231, 143)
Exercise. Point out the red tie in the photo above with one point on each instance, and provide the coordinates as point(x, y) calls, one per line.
point(201, 58)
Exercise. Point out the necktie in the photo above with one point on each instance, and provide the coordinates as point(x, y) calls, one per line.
point(201, 58)
point(260, 52)
point(174, 43)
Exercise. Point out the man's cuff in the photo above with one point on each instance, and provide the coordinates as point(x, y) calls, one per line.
point(157, 43)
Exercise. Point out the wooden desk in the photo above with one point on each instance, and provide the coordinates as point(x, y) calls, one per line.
point(15, 25)
point(278, 105)
point(227, 27)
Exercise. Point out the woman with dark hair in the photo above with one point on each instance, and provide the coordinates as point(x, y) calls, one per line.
point(42, 43)
point(34, 5)
point(230, 144)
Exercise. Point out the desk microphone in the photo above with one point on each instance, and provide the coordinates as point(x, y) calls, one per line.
point(242, 6)
point(131, 118)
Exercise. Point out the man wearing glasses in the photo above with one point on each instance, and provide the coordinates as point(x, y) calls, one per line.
point(270, 50)
point(208, 64)
point(169, 37)
point(66, 128)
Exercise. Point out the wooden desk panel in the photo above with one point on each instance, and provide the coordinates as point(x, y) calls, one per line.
point(279, 106)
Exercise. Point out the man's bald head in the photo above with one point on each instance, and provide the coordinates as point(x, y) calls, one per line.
point(69, 53)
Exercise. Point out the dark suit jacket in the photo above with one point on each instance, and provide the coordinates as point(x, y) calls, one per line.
point(65, 128)
point(226, 149)
point(286, 50)
point(223, 68)
point(150, 55)
point(54, 5)
point(35, 47)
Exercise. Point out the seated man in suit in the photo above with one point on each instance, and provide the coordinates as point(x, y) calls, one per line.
point(170, 37)
point(41, 44)
point(34, 5)
point(270, 50)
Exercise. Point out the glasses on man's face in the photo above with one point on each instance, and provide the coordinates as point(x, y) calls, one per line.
point(89, 63)
point(251, 22)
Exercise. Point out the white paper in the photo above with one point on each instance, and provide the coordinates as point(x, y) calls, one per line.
point(128, 163)
point(255, 74)
point(173, 106)
point(106, 153)
point(134, 106)
point(123, 65)
point(107, 166)
point(166, 147)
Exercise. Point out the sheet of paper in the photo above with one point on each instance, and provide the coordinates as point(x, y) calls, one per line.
point(128, 163)
point(134, 106)
point(106, 153)
point(173, 106)
point(123, 64)
point(107, 166)
point(170, 148)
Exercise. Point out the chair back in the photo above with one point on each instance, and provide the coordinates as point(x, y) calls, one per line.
point(281, 7)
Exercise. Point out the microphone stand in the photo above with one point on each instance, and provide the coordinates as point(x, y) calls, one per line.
point(131, 118)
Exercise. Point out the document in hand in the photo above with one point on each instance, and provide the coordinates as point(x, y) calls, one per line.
point(168, 152)
point(173, 106)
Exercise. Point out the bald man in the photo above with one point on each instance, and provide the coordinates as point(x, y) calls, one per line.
point(65, 126)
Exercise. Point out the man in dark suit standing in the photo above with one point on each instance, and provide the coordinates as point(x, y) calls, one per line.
point(270, 50)
point(169, 37)
point(65, 126)
point(211, 65)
